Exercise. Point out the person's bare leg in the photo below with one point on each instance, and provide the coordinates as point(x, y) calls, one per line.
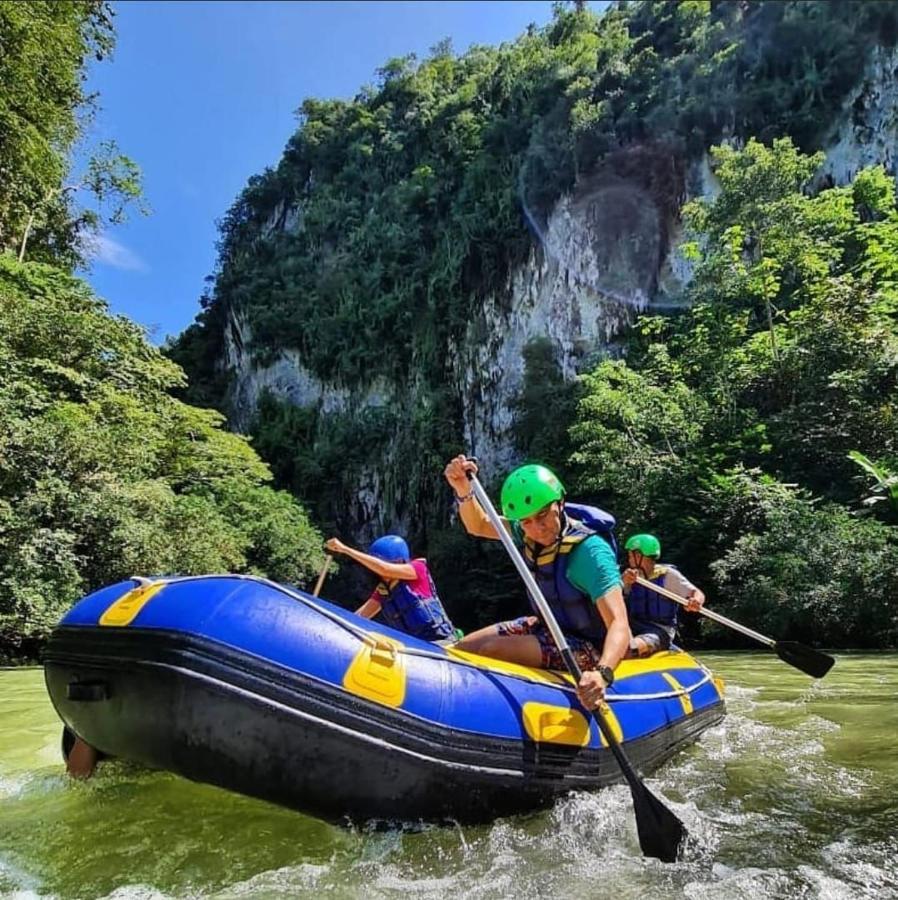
point(640, 648)
point(474, 641)
point(523, 649)
point(81, 760)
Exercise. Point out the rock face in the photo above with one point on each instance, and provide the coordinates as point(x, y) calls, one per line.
point(591, 270)
point(866, 133)
point(287, 379)
point(594, 265)
point(605, 253)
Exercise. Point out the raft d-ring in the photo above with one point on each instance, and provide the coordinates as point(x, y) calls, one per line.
point(382, 650)
point(378, 671)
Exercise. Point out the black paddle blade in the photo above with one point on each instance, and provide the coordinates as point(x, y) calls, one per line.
point(813, 662)
point(661, 833)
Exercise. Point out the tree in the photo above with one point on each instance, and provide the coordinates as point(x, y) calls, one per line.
point(113, 179)
point(43, 108)
point(103, 474)
point(733, 427)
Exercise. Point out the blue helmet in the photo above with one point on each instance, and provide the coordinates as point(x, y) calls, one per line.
point(390, 548)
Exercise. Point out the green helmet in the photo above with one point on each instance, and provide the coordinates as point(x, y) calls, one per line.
point(528, 489)
point(646, 544)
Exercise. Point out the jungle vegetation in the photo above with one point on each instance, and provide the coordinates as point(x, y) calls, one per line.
point(725, 428)
point(753, 427)
point(104, 473)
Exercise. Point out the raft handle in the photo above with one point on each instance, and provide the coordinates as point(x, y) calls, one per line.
point(140, 581)
point(87, 691)
point(381, 647)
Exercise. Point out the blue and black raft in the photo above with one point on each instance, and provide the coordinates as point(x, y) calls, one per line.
point(271, 692)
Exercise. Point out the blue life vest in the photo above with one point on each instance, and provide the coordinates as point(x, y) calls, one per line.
point(644, 605)
point(406, 610)
point(597, 520)
point(575, 611)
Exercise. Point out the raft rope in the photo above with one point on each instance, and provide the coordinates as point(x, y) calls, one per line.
point(382, 645)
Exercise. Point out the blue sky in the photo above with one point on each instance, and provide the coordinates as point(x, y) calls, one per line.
point(202, 95)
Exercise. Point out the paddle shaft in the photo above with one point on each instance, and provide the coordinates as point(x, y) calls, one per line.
point(661, 833)
point(717, 617)
point(322, 575)
point(551, 623)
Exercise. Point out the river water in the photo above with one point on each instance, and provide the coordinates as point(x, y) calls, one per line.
point(794, 795)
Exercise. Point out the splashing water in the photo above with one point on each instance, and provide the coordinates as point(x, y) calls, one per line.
point(792, 795)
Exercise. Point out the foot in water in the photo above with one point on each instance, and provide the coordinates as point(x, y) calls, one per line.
point(80, 758)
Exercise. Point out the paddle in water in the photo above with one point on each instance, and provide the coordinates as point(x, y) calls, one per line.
point(661, 833)
point(811, 661)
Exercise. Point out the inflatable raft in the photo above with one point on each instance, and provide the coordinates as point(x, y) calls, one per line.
point(268, 691)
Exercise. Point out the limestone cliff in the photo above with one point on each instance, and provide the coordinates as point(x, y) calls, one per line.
point(350, 244)
point(605, 253)
point(593, 266)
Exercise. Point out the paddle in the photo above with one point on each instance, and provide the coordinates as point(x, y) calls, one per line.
point(322, 575)
point(661, 833)
point(811, 661)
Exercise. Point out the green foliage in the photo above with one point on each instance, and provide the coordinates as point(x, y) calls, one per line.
point(885, 481)
point(371, 247)
point(815, 574)
point(729, 418)
point(115, 182)
point(322, 457)
point(545, 403)
point(795, 362)
point(634, 432)
point(391, 216)
point(103, 474)
point(43, 105)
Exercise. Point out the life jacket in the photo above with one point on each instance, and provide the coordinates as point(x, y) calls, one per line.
point(644, 605)
point(600, 522)
point(405, 609)
point(575, 612)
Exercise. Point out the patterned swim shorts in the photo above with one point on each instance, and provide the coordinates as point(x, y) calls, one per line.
point(585, 652)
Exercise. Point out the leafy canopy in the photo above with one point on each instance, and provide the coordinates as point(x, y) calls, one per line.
point(103, 474)
point(44, 111)
point(733, 429)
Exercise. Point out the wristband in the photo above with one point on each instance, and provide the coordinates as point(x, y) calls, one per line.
point(465, 498)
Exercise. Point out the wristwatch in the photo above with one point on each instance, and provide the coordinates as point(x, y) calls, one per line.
point(607, 674)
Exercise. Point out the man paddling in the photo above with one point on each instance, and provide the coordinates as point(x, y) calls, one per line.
point(575, 568)
point(653, 618)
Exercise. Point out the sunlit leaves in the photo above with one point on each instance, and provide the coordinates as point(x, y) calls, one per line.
point(730, 420)
point(103, 474)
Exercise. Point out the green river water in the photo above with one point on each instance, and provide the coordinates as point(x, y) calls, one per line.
point(794, 795)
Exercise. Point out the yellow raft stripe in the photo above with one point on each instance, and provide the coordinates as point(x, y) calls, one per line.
point(628, 668)
point(542, 676)
point(124, 610)
point(608, 715)
point(682, 693)
point(378, 672)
